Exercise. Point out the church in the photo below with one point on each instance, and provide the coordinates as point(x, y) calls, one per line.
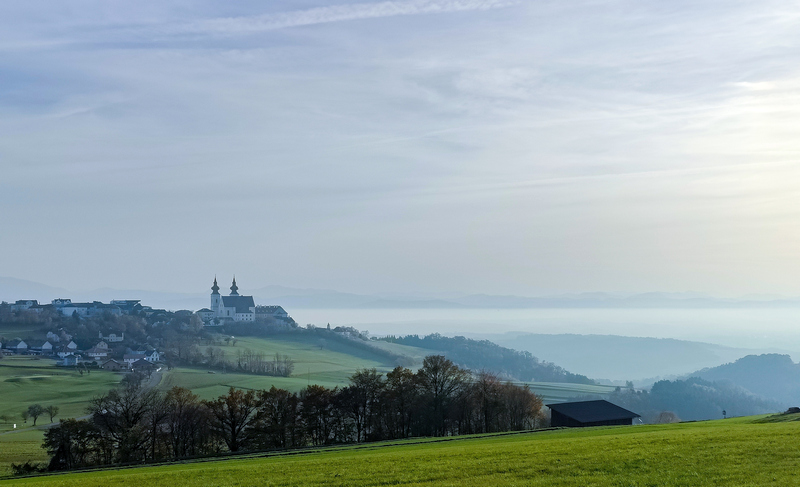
point(233, 307)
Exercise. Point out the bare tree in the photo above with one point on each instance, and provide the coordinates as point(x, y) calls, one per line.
point(51, 411)
point(232, 416)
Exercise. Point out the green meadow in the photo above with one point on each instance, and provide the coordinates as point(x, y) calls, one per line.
point(28, 380)
point(741, 452)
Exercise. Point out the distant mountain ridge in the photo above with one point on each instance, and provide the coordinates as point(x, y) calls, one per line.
point(12, 289)
point(617, 358)
point(773, 376)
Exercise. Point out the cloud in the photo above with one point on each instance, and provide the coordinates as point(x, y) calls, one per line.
point(336, 13)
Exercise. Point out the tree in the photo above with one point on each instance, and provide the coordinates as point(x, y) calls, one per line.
point(122, 416)
point(363, 402)
point(400, 395)
point(232, 416)
point(187, 423)
point(51, 411)
point(73, 444)
point(25, 415)
point(34, 411)
point(441, 381)
point(278, 424)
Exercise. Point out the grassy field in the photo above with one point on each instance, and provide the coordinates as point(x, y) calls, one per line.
point(20, 447)
point(29, 380)
point(317, 361)
point(739, 452)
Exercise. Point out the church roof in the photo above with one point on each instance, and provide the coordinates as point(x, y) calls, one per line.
point(241, 303)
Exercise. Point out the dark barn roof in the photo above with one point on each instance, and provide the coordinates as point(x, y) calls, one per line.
point(592, 411)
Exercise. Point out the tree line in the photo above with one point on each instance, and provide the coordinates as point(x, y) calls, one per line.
point(132, 424)
point(693, 399)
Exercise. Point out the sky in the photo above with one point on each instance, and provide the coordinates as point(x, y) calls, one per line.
point(475, 146)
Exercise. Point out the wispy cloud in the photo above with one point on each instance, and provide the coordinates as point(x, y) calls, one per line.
point(336, 13)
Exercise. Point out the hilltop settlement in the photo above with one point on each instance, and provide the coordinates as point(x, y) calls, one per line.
point(125, 335)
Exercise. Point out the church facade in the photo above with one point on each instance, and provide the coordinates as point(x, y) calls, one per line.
point(233, 307)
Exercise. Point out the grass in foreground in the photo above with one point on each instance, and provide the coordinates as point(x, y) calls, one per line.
point(21, 447)
point(732, 452)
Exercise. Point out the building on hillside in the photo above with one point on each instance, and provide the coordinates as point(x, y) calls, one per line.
point(151, 356)
point(64, 351)
point(113, 365)
point(205, 314)
point(70, 361)
point(233, 307)
point(111, 337)
point(45, 348)
point(130, 358)
point(95, 353)
point(24, 304)
point(278, 312)
point(89, 309)
point(589, 413)
point(127, 306)
point(17, 346)
point(143, 366)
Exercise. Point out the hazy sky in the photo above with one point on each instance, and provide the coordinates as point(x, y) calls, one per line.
point(497, 146)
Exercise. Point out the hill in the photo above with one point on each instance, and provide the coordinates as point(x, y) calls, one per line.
point(484, 355)
point(620, 358)
point(744, 452)
point(772, 376)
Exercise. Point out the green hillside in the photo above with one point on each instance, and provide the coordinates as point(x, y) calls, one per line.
point(730, 452)
point(27, 380)
point(317, 361)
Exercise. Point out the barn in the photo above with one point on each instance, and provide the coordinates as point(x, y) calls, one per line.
point(589, 413)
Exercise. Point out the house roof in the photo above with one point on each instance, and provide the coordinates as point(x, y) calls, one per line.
point(141, 363)
point(241, 303)
point(592, 411)
point(271, 309)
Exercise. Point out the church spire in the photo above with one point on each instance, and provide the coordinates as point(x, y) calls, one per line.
point(234, 288)
point(215, 288)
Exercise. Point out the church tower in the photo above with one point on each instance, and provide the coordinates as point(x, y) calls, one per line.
point(216, 299)
point(234, 288)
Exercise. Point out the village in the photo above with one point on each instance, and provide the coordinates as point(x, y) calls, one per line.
point(124, 335)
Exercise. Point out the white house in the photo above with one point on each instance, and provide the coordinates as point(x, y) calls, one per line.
point(112, 337)
point(17, 346)
point(130, 358)
point(97, 353)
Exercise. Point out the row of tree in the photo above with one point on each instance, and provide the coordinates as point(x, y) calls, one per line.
point(132, 424)
point(693, 399)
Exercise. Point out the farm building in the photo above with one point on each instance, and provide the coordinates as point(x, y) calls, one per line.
point(114, 365)
point(589, 413)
